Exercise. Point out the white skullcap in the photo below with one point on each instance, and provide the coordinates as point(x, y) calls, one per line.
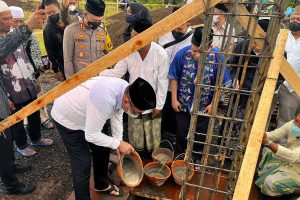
point(16, 12)
point(3, 6)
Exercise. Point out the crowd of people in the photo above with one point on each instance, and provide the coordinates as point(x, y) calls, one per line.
point(154, 86)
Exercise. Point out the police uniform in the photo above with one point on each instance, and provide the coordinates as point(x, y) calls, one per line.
point(83, 45)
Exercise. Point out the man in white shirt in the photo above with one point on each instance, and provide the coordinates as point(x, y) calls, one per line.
point(172, 42)
point(287, 97)
point(152, 64)
point(218, 26)
point(80, 115)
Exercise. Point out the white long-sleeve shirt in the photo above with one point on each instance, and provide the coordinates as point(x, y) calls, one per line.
point(292, 49)
point(172, 50)
point(154, 69)
point(88, 106)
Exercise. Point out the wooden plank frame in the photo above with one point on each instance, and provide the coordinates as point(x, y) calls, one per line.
point(244, 183)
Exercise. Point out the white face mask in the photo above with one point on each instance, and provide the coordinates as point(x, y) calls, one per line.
point(72, 8)
point(131, 114)
point(215, 18)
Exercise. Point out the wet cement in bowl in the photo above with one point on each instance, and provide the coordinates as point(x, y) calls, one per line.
point(179, 171)
point(157, 172)
point(163, 158)
point(131, 171)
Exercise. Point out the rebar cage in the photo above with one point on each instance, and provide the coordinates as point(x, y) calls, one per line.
point(230, 122)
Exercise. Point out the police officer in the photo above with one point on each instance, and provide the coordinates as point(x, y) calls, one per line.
point(87, 40)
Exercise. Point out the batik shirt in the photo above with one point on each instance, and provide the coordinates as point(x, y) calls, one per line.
point(17, 75)
point(184, 69)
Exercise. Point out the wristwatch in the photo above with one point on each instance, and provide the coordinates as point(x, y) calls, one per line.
point(269, 143)
point(24, 29)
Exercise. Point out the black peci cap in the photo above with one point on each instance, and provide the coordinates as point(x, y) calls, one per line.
point(95, 7)
point(142, 94)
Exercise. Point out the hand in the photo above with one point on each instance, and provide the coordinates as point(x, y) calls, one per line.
point(236, 84)
point(85, 64)
point(37, 19)
point(176, 106)
point(208, 109)
point(155, 112)
point(118, 154)
point(60, 76)
point(11, 106)
point(265, 139)
point(65, 3)
point(125, 148)
point(38, 87)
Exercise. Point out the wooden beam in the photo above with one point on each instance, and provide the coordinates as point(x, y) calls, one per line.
point(184, 14)
point(286, 70)
point(243, 186)
point(243, 20)
point(290, 75)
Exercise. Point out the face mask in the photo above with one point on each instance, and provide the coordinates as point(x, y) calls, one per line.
point(215, 18)
point(295, 131)
point(55, 17)
point(177, 35)
point(131, 114)
point(94, 25)
point(130, 19)
point(72, 8)
point(294, 26)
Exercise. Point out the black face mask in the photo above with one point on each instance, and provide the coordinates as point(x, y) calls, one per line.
point(94, 25)
point(55, 17)
point(130, 19)
point(294, 26)
point(177, 35)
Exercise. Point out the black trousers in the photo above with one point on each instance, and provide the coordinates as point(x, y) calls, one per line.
point(34, 128)
point(100, 165)
point(7, 158)
point(182, 124)
point(80, 157)
point(168, 116)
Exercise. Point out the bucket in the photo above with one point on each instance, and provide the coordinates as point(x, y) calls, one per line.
point(178, 170)
point(157, 173)
point(130, 169)
point(163, 155)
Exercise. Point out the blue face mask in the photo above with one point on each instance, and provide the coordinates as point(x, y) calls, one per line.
point(295, 131)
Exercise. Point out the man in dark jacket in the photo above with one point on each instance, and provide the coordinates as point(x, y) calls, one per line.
point(53, 38)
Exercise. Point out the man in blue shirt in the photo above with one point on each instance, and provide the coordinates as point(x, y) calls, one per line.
point(183, 74)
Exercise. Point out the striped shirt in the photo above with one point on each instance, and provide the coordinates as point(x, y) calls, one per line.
point(11, 42)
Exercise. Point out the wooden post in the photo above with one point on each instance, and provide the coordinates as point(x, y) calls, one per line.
point(286, 69)
point(243, 186)
point(187, 12)
point(290, 75)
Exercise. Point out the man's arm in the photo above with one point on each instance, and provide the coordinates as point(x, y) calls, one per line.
point(68, 48)
point(95, 120)
point(279, 133)
point(36, 53)
point(163, 82)
point(49, 45)
point(12, 41)
point(174, 74)
point(118, 71)
point(116, 122)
